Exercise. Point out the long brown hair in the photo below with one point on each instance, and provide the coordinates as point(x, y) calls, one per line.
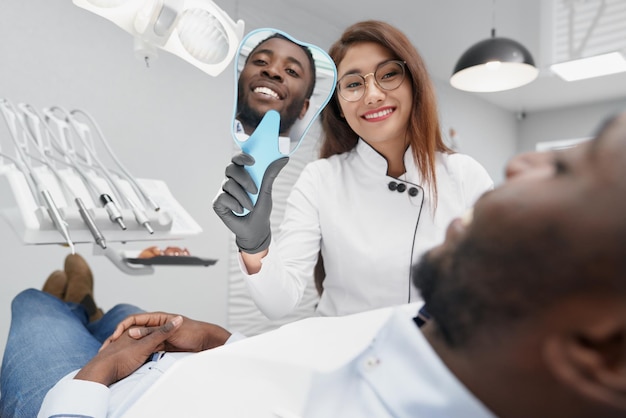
point(423, 130)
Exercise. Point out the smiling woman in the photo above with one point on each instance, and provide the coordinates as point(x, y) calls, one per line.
point(383, 192)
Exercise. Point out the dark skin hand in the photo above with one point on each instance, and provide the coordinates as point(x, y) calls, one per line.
point(191, 336)
point(123, 356)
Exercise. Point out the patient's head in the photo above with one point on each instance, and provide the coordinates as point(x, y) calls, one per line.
point(554, 230)
point(532, 290)
point(278, 74)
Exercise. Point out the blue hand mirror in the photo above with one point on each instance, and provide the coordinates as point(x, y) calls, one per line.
point(282, 86)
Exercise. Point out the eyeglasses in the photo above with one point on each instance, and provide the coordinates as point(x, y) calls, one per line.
point(388, 76)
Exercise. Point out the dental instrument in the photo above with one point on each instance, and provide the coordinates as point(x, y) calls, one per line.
point(44, 145)
point(83, 133)
point(91, 224)
point(22, 149)
point(114, 213)
point(58, 220)
point(108, 148)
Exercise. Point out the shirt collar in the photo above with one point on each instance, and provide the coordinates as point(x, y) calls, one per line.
point(378, 163)
point(428, 387)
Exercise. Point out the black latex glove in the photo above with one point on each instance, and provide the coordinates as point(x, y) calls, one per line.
point(252, 231)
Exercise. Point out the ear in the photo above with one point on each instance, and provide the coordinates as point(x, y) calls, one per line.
point(592, 360)
point(305, 107)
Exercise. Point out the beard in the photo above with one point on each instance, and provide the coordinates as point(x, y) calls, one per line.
point(426, 277)
point(291, 115)
point(249, 116)
point(449, 294)
point(477, 288)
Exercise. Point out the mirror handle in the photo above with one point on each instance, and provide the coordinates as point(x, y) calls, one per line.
point(263, 146)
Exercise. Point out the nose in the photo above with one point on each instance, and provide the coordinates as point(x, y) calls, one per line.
point(529, 163)
point(373, 93)
point(271, 71)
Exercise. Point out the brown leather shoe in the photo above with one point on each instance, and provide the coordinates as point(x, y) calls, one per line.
point(56, 284)
point(80, 285)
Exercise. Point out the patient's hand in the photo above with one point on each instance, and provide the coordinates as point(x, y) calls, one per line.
point(192, 336)
point(123, 356)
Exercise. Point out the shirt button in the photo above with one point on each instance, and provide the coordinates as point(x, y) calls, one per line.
point(371, 363)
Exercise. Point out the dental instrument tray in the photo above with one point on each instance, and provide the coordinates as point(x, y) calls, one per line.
point(65, 185)
point(172, 260)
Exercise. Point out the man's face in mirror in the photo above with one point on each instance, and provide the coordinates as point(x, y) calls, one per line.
point(278, 75)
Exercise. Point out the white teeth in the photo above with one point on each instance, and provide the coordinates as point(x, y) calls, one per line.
point(267, 91)
point(378, 114)
point(467, 217)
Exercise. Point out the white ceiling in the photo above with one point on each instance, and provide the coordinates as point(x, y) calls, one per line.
point(442, 30)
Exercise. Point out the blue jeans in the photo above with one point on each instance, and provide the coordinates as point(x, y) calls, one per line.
point(48, 339)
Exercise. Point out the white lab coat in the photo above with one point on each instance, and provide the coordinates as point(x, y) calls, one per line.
point(369, 235)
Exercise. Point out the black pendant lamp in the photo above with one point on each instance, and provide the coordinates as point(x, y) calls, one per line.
point(495, 64)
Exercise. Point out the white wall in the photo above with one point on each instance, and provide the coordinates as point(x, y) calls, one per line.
point(483, 130)
point(568, 123)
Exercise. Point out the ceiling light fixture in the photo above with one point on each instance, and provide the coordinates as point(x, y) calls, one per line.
point(596, 66)
point(197, 31)
point(494, 64)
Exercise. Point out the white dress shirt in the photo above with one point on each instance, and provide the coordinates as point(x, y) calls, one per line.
point(374, 364)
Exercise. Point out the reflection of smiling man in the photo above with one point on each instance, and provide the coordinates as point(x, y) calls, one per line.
point(278, 75)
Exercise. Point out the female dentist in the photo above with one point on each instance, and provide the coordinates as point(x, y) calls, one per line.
point(382, 194)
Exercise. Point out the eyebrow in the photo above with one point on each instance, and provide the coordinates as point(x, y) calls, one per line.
point(270, 52)
point(358, 71)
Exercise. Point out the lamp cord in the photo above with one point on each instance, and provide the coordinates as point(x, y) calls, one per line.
point(493, 19)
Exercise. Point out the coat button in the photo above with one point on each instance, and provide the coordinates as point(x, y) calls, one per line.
point(392, 185)
point(413, 191)
point(401, 187)
point(371, 363)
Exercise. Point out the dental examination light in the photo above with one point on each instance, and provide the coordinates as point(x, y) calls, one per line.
point(58, 188)
point(197, 31)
